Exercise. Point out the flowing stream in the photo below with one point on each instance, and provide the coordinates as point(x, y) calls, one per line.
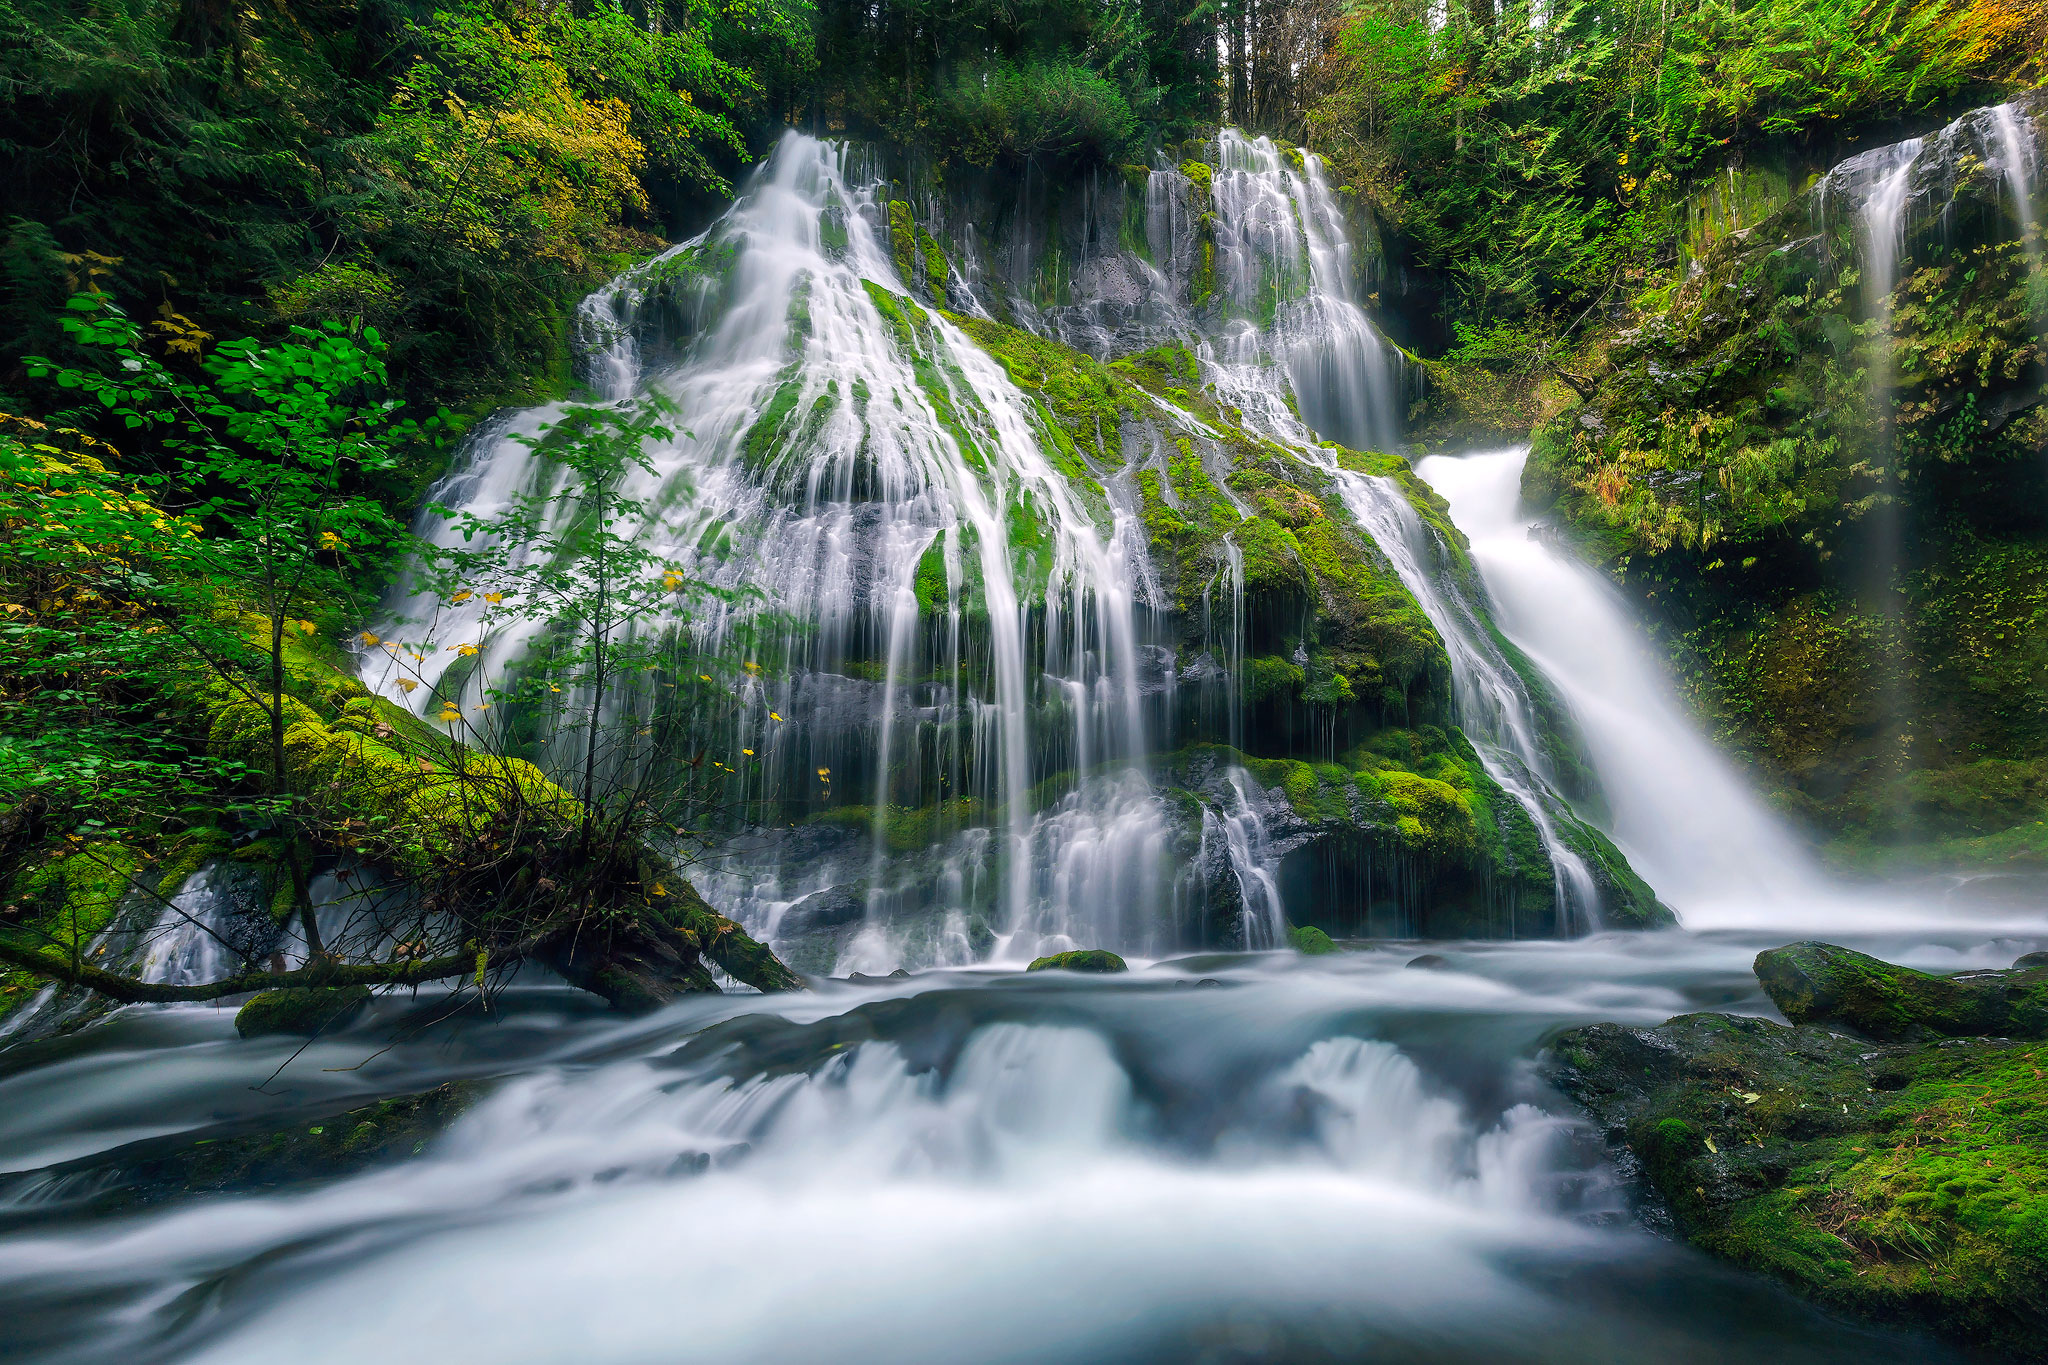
point(1218, 1157)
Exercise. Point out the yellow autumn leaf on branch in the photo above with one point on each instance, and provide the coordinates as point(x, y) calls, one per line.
point(405, 684)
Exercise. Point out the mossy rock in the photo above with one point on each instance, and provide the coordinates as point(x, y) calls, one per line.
point(1820, 983)
point(238, 1161)
point(1080, 960)
point(1903, 1182)
point(309, 1011)
point(1311, 941)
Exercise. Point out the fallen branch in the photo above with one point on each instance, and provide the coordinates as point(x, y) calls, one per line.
point(134, 991)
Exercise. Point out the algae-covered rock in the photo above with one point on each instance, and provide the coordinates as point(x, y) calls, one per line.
point(1080, 960)
point(1905, 1182)
point(318, 1009)
point(1311, 941)
point(1820, 983)
point(317, 1147)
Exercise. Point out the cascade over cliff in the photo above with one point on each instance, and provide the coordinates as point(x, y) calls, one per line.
point(1064, 625)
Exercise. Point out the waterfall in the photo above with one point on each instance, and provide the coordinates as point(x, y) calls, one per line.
point(185, 947)
point(1686, 820)
point(844, 459)
point(1279, 237)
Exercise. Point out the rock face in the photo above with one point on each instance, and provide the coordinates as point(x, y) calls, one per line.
point(1819, 983)
point(1822, 463)
point(1903, 1181)
point(1080, 960)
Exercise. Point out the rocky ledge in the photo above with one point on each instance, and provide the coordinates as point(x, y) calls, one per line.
point(1886, 1154)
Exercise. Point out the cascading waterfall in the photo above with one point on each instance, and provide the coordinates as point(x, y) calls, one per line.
point(1279, 237)
point(841, 454)
point(187, 945)
point(1680, 812)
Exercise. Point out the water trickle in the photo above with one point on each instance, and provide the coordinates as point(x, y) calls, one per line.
point(187, 947)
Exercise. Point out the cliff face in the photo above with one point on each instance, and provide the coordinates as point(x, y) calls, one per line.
point(1822, 460)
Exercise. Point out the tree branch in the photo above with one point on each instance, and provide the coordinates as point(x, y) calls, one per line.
point(130, 990)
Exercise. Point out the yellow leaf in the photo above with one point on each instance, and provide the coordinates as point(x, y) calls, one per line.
point(773, 716)
point(305, 627)
point(703, 677)
point(465, 651)
point(748, 752)
point(660, 890)
point(368, 639)
point(449, 715)
point(406, 684)
point(671, 581)
point(824, 772)
point(494, 598)
point(483, 706)
point(462, 596)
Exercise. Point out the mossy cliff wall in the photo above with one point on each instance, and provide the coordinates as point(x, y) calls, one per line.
point(1834, 495)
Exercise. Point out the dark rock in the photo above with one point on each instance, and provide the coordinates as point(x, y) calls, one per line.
point(821, 910)
point(317, 1147)
point(320, 1009)
point(1431, 962)
point(1820, 983)
point(1080, 960)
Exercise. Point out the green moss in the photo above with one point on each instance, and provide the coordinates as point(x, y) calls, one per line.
point(903, 240)
point(1904, 1184)
point(933, 592)
point(1310, 941)
point(63, 904)
point(1087, 402)
point(314, 1011)
point(1080, 960)
point(936, 269)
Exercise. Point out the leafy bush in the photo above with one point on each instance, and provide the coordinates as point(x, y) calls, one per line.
point(1053, 109)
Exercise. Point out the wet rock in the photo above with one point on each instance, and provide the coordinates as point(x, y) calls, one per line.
point(317, 1147)
point(1311, 941)
point(1430, 962)
point(827, 909)
point(1820, 983)
point(308, 1012)
point(1901, 1181)
point(1080, 960)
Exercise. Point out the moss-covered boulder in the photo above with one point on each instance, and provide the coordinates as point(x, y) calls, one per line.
point(1080, 960)
point(1904, 1182)
point(1820, 983)
point(279, 1156)
point(319, 1009)
point(1310, 941)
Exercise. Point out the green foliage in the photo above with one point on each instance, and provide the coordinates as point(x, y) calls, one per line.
point(1538, 158)
point(454, 175)
point(1046, 82)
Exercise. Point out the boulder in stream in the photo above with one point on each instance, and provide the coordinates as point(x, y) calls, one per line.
point(1903, 1180)
point(1080, 960)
